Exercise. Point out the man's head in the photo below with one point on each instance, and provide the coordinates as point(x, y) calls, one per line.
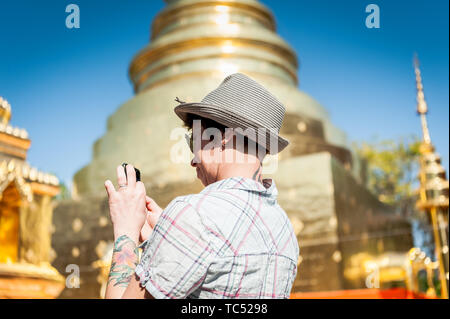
point(221, 152)
point(233, 128)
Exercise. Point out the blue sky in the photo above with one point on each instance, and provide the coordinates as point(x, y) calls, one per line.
point(63, 84)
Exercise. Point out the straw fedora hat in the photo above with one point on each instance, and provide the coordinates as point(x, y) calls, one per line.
point(241, 102)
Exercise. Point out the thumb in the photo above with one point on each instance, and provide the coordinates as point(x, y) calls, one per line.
point(150, 220)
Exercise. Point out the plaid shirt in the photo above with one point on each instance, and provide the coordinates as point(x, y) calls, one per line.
point(232, 240)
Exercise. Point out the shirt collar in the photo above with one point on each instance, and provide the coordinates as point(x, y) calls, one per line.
point(267, 188)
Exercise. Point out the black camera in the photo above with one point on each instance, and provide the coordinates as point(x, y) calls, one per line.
point(138, 172)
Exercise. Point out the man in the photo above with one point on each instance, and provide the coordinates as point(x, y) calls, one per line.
point(232, 240)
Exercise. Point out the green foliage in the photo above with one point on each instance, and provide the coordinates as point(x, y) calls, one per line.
point(64, 192)
point(392, 168)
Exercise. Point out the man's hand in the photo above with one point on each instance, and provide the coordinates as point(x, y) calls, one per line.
point(154, 211)
point(127, 204)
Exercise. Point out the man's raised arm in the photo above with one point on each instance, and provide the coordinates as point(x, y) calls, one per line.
point(128, 209)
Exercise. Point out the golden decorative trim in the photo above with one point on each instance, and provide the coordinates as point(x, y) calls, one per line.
point(198, 73)
point(15, 141)
point(21, 173)
point(43, 189)
point(5, 111)
point(44, 271)
point(187, 27)
point(22, 154)
point(23, 187)
point(147, 57)
point(29, 288)
point(164, 18)
point(157, 31)
point(145, 76)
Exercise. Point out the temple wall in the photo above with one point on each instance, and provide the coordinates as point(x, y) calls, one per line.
point(35, 230)
point(337, 219)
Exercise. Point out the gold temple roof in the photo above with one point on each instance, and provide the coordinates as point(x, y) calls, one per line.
point(14, 144)
point(194, 45)
point(28, 180)
point(14, 131)
point(5, 116)
point(28, 172)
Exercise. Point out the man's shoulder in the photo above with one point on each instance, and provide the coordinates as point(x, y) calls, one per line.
point(206, 206)
point(208, 201)
point(193, 201)
point(185, 202)
point(182, 212)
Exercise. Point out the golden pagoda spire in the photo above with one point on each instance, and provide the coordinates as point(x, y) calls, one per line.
point(422, 107)
point(192, 37)
point(434, 188)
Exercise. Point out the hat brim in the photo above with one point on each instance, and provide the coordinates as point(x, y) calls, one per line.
point(229, 119)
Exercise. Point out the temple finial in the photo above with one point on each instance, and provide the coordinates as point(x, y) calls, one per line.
point(433, 191)
point(5, 111)
point(422, 108)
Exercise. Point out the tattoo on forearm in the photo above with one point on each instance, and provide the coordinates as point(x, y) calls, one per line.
point(124, 261)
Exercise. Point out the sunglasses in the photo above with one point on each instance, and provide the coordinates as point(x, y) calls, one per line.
point(189, 137)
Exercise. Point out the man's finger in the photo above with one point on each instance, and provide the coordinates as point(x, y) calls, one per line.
point(140, 187)
point(148, 200)
point(109, 188)
point(151, 204)
point(121, 177)
point(131, 175)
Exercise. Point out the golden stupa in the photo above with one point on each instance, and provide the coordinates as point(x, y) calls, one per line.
point(194, 45)
point(434, 189)
point(26, 210)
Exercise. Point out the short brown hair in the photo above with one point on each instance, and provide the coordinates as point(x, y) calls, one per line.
point(206, 123)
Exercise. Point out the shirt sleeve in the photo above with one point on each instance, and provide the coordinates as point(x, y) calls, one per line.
point(177, 255)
